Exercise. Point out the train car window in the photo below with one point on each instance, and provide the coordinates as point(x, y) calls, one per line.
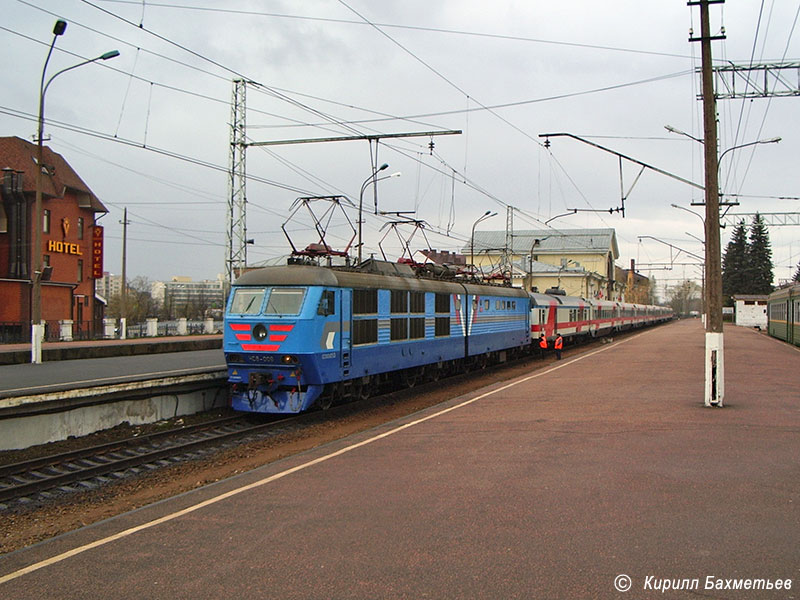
point(417, 302)
point(442, 327)
point(365, 302)
point(486, 305)
point(285, 301)
point(327, 303)
point(399, 301)
point(457, 304)
point(399, 329)
point(416, 328)
point(442, 303)
point(247, 301)
point(365, 331)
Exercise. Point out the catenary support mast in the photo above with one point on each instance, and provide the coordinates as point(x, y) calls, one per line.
point(714, 362)
point(236, 247)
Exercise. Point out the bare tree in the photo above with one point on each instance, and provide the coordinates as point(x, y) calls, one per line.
point(684, 297)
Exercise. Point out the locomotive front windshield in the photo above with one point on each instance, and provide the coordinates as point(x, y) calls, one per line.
point(285, 301)
point(247, 301)
point(280, 301)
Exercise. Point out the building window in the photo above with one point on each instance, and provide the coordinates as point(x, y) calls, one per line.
point(80, 228)
point(80, 270)
point(46, 260)
point(46, 221)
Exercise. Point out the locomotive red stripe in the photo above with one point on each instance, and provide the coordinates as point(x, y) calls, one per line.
point(277, 338)
point(240, 327)
point(260, 347)
point(281, 327)
point(244, 337)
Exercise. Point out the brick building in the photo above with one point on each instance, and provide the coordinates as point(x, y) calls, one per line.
point(71, 243)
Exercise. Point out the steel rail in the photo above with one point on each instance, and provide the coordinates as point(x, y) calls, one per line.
point(21, 486)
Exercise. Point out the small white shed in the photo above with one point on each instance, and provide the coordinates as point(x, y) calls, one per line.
point(751, 310)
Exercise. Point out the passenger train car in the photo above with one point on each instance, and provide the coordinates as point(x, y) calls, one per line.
point(573, 317)
point(783, 310)
point(300, 336)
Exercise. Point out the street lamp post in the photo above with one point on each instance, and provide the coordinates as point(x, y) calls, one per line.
point(561, 268)
point(535, 243)
point(371, 179)
point(703, 266)
point(774, 140)
point(37, 327)
point(712, 271)
point(487, 215)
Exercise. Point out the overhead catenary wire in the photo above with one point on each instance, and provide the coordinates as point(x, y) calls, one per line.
point(441, 30)
point(419, 164)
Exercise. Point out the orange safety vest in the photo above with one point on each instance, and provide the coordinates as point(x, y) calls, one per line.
point(559, 343)
point(543, 343)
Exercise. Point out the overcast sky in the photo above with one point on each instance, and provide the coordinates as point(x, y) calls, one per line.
point(150, 129)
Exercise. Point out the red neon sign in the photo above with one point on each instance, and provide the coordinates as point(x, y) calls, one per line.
point(97, 252)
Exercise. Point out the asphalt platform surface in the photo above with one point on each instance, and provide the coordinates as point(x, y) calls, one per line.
point(558, 484)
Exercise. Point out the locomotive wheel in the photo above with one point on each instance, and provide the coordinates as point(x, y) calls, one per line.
point(325, 401)
point(363, 390)
point(409, 378)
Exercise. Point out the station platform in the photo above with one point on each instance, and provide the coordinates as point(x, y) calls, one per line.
point(11, 354)
point(599, 476)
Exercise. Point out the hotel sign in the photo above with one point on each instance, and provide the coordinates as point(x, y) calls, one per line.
point(64, 248)
point(97, 252)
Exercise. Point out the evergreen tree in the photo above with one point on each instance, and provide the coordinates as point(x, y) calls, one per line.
point(759, 259)
point(734, 265)
point(796, 277)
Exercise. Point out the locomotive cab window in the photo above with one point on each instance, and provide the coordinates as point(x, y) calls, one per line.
point(247, 301)
point(285, 301)
point(327, 304)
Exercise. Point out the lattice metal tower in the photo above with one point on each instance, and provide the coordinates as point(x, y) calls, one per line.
point(508, 249)
point(236, 250)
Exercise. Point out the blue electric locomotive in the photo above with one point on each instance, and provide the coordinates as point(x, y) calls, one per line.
point(301, 335)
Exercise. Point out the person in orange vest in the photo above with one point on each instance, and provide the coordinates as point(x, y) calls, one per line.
point(542, 344)
point(558, 345)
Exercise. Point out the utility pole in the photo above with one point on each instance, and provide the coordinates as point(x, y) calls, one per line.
point(123, 296)
point(714, 363)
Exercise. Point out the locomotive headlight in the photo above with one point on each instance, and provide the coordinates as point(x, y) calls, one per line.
point(288, 359)
point(260, 332)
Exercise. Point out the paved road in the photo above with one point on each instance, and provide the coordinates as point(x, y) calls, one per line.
point(27, 379)
point(552, 485)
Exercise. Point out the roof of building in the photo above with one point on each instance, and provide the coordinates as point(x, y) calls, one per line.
point(551, 241)
point(750, 297)
point(20, 155)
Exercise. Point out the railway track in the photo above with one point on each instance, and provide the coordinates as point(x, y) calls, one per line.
point(88, 468)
